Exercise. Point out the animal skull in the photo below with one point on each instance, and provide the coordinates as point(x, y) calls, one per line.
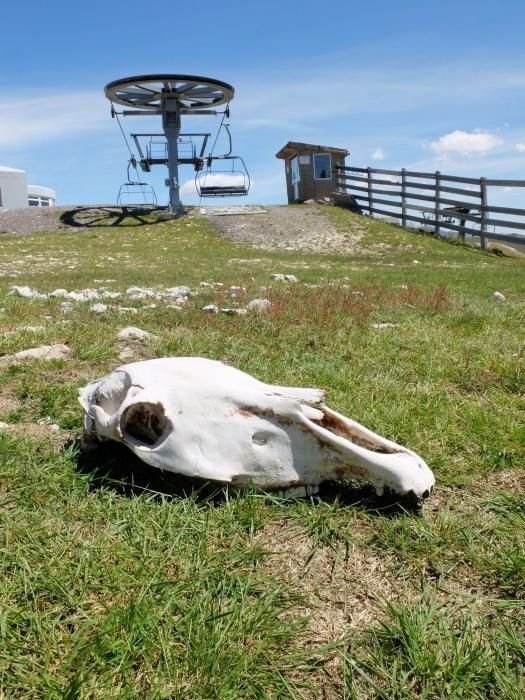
point(203, 419)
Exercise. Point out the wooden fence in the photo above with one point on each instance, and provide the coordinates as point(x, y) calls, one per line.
point(440, 201)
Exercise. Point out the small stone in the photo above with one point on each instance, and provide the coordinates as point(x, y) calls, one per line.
point(498, 296)
point(98, 308)
point(47, 422)
point(66, 307)
point(211, 309)
point(415, 262)
point(57, 293)
point(140, 293)
point(126, 354)
point(259, 305)
point(111, 295)
point(235, 291)
point(131, 332)
point(235, 312)
point(279, 277)
point(84, 295)
point(177, 291)
point(26, 293)
point(44, 352)
point(382, 326)
point(4, 426)
point(127, 309)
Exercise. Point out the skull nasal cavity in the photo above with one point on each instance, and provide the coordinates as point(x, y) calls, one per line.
point(144, 422)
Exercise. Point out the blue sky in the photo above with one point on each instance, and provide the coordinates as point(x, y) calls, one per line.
point(422, 85)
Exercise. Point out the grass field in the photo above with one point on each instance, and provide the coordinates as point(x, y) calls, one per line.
point(119, 582)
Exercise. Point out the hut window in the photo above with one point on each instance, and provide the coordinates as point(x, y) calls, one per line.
point(322, 166)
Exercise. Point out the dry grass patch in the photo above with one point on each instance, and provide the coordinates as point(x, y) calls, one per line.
point(341, 585)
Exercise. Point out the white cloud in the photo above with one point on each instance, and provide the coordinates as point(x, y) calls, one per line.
point(47, 117)
point(465, 143)
point(378, 154)
point(520, 147)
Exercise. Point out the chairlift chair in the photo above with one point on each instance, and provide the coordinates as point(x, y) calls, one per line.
point(128, 191)
point(234, 182)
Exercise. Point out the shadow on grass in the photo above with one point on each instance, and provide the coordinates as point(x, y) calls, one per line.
point(99, 217)
point(112, 465)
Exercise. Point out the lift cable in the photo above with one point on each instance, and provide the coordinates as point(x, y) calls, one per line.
point(132, 159)
point(226, 113)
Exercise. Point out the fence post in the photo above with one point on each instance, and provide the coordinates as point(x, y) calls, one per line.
point(483, 232)
point(370, 201)
point(403, 197)
point(337, 178)
point(437, 207)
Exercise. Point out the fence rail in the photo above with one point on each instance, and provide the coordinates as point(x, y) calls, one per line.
point(468, 212)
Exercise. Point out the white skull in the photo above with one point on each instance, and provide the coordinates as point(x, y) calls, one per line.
point(203, 419)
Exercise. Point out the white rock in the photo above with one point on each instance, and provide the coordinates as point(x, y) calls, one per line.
point(111, 295)
point(44, 352)
point(58, 293)
point(177, 292)
point(415, 262)
point(177, 307)
point(235, 291)
point(134, 333)
point(259, 305)
point(84, 295)
point(382, 326)
point(66, 307)
point(235, 312)
point(47, 421)
point(26, 293)
point(498, 296)
point(283, 278)
point(99, 308)
point(140, 293)
point(4, 426)
point(127, 309)
point(211, 309)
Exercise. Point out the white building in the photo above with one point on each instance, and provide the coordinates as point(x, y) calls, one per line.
point(40, 196)
point(15, 193)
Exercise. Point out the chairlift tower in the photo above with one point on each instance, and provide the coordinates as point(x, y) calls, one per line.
point(170, 96)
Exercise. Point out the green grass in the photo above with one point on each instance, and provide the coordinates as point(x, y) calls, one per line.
point(120, 582)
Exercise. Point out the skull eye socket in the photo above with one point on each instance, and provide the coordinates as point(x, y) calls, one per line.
point(144, 423)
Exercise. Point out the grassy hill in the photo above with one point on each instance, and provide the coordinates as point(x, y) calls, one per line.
point(117, 582)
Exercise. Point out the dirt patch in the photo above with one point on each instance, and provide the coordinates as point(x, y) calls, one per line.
point(291, 228)
point(341, 586)
point(24, 222)
point(57, 438)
